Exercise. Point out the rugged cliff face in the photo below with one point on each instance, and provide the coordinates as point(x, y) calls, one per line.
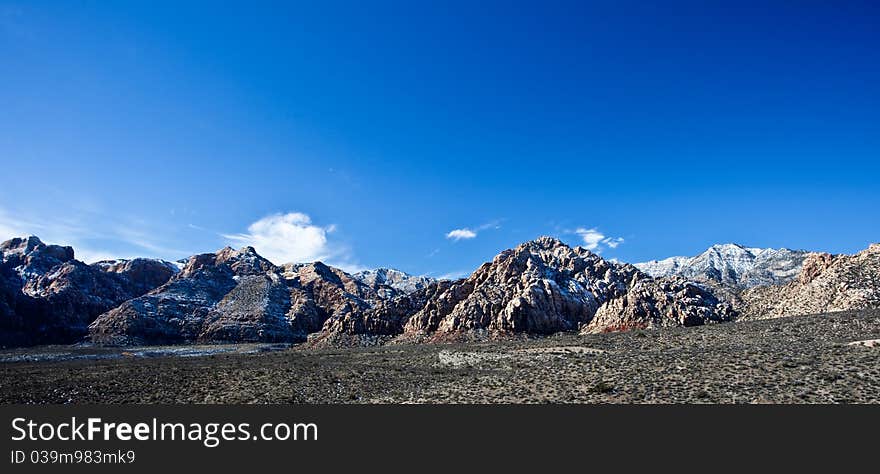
point(662, 302)
point(826, 283)
point(381, 323)
point(48, 297)
point(540, 287)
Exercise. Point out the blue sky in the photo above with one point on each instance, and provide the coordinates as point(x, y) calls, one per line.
point(365, 135)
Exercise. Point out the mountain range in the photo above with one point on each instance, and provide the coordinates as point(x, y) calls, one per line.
point(540, 287)
point(733, 265)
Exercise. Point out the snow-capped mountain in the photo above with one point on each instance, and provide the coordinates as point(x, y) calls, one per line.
point(732, 264)
point(396, 279)
point(121, 263)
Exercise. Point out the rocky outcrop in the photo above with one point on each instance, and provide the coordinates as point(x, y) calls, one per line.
point(388, 318)
point(662, 302)
point(826, 283)
point(324, 292)
point(732, 265)
point(142, 274)
point(814, 265)
point(30, 256)
point(48, 297)
point(540, 287)
point(256, 309)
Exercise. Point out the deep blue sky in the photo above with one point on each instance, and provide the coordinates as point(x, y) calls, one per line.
point(160, 130)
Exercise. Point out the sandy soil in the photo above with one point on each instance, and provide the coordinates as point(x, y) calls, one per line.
point(808, 359)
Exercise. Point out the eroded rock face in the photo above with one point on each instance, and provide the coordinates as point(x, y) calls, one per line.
point(386, 318)
point(662, 302)
point(814, 265)
point(540, 287)
point(48, 297)
point(176, 311)
point(143, 274)
point(30, 256)
point(256, 309)
point(323, 292)
point(827, 283)
point(236, 296)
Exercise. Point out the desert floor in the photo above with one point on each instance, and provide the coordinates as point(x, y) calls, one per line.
point(808, 359)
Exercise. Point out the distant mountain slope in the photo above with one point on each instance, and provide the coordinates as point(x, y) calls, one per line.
point(388, 278)
point(732, 265)
point(826, 283)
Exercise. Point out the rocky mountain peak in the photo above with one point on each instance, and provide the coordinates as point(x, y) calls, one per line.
point(309, 272)
point(22, 245)
point(245, 261)
point(29, 255)
point(544, 242)
point(540, 286)
point(730, 247)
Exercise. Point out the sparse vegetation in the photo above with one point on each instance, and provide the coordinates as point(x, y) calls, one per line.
point(804, 359)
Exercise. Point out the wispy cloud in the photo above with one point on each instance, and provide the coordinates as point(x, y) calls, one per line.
point(293, 237)
point(459, 234)
point(467, 233)
point(596, 241)
point(454, 275)
point(145, 240)
point(83, 230)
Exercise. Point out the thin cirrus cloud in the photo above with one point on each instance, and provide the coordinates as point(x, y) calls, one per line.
point(90, 234)
point(596, 241)
point(459, 234)
point(293, 238)
point(467, 233)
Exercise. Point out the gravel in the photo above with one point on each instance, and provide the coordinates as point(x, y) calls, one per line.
point(805, 359)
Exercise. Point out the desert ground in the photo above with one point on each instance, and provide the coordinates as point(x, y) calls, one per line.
point(831, 358)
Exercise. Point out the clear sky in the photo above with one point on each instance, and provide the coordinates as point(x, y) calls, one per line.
point(430, 137)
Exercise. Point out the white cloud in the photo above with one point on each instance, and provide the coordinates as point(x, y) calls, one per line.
point(454, 275)
point(459, 234)
point(471, 232)
point(613, 242)
point(591, 237)
point(291, 237)
point(596, 241)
